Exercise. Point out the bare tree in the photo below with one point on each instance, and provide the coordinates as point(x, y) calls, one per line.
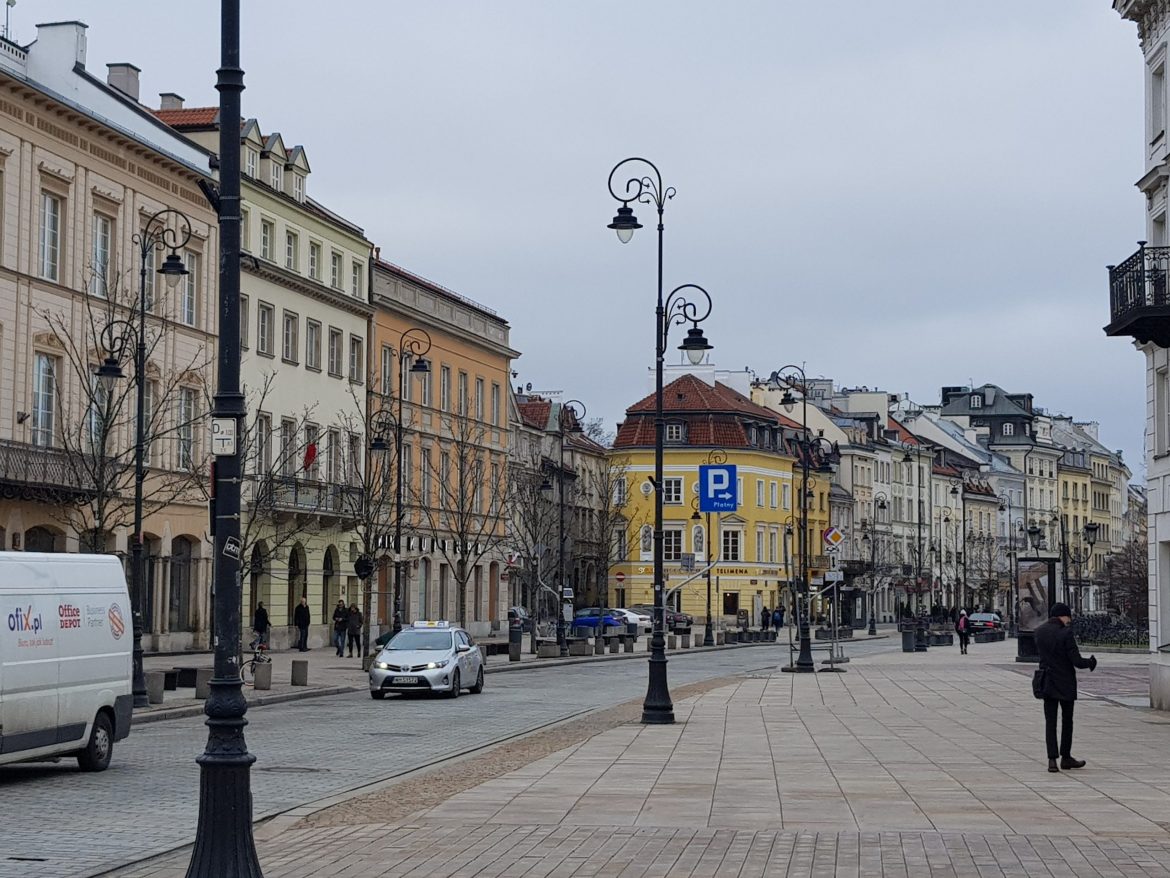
point(609, 526)
point(468, 519)
point(595, 430)
point(1127, 581)
point(531, 526)
point(98, 422)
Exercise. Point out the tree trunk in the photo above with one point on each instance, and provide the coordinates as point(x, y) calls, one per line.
point(461, 584)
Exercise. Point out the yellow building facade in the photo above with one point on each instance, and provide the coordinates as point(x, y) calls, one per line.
point(753, 551)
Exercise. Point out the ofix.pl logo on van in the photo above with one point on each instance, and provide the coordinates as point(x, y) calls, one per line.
point(24, 621)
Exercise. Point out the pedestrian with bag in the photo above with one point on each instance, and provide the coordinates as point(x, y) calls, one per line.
point(340, 625)
point(765, 618)
point(260, 625)
point(353, 624)
point(963, 629)
point(1055, 682)
point(301, 619)
point(778, 618)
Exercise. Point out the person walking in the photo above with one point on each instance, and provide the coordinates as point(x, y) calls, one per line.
point(778, 618)
point(963, 629)
point(260, 625)
point(1059, 660)
point(301, 619)
point(765, 618)
point(340, 624)
point(354, 627)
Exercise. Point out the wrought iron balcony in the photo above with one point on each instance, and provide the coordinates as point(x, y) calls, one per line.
point(33, 472)
point(308, 497)
point(1139, 296)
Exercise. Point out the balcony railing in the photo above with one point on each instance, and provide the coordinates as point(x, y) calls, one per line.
point(33, 472)
point(286, 494)
point(1139, 296)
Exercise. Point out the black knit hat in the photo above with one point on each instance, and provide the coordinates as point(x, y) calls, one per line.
point(1059, 609)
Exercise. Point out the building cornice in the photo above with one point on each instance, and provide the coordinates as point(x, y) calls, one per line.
point(426, 318)
point(290, 280)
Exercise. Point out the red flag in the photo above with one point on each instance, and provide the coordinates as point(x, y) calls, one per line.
point(310, 455)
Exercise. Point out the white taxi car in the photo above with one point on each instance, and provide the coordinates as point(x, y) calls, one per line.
point(428, 657)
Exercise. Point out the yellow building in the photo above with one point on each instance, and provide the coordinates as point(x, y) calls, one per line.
point(754, 548)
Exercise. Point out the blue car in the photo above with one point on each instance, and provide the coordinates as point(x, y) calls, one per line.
point(589, 617)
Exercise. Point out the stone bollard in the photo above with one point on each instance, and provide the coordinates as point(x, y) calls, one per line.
point(598, 645)
point(672, 641)
point(686, 640)
point(203, 682)
point(262, 676)
point(155, 686)
point(731, 636)
point(548, 649)
point(719, 638)
point(515, 641)
point(614, 645)
point(628, 643)
point(300, 672)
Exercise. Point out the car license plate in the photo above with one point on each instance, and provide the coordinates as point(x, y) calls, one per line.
point(400, 680)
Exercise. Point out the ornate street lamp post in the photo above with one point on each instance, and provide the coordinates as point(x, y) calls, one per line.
point(880, 504)
point(157, 235)
point(673, 309)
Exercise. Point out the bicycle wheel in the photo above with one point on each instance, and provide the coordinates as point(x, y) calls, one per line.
point(248, 672)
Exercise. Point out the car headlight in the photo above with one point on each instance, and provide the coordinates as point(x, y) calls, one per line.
point(432, 665)
point(382, 666)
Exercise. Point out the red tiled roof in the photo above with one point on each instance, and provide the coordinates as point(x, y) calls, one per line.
point(904, 435)
point(688, 393)
point(189, 117)
point(940, 469)
point(534, 412)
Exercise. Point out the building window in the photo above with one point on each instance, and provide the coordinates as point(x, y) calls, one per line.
point(313, 345)
point(1161, 414)
point(495, 404)
point(265, 315)
point(263, 454)
point(760, 545)
point(314, 260)
point(251, 158)
point(355, 279)
point(355, 459)
point(151, 275)
point(335, 342)
point(479, 399)
point(103, 230)
point(290, 344)
point(424, 461)
point(190, 295)
point(620, 493)
point(267, 232)
point(288, 447)
point(387, 375)
point(426, 388)
point(276, 177)
point(149, 395)
point(445, 388)
point(771, 547)
point(188, 414)
point(976, 401)
point(773, 495)
point(672, 544)
point(1157, 102)
point(50, 236)
point(404, 378)
point(245, 238)
point(311, 457)
point(243, 321)
point(760, 492)
point(335, 270)
point(672, 492)
point(44, 411)
point(731, 540)
point(462, 399)
point(334, 453)
point(674, 432)
point(298, 187)
point(1009, 429)
point(290, 251)
point(786, 496)
point(357, 359)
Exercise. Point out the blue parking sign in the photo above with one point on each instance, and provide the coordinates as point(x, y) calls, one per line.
point(718, 488)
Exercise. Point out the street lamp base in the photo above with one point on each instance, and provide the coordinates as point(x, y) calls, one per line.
point(708, 636)
point(798, 669)
point(657, 709)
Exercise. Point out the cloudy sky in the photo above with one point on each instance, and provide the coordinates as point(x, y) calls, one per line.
point(903, 195)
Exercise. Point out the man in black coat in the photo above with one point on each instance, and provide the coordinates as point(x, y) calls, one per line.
point(1059, 660)
point(301, 619)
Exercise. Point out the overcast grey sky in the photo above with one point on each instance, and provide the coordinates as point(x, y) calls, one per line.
point(902, 194)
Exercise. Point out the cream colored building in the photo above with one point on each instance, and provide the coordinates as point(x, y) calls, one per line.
point(83, 166)
point(304, 312)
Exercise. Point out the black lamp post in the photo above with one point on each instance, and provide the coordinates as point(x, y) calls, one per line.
point(961, 494)
point(1005, 504)
point(673, 309)
point(811, 449)
point(223, 840)
point(1090, 531)
point(157, 235)
point(413, 345)
point(569, 418)
point(880, 504)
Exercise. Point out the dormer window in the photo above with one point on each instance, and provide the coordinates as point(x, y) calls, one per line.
point(277, 177)
point(298, 187)
point(251, 160)
point(674, 432)
point(976, 401)
point(1009, 429)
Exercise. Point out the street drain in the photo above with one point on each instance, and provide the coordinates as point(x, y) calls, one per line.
point(292, 769)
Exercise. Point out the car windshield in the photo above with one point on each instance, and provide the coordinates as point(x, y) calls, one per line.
point(422, 640)
point(984, 617)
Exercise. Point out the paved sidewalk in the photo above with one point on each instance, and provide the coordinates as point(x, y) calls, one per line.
point(906, 765)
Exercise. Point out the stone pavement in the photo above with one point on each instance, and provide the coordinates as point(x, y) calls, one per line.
point(918, 764)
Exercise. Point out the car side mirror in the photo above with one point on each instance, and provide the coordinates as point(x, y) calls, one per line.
point(463, 647)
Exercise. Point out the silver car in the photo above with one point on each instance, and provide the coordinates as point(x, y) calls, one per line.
point(428, 657)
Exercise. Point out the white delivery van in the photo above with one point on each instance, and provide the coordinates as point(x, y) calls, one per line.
point(65, 657)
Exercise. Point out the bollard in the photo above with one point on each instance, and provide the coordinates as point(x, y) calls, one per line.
point(731, 636)
point(515, 640)
point(203, 682)
point(628, 643)
point(686, 640)
point(719, 638)
point(262, 676)
point(155, 686)
point(672, 641)
point(614, 644)
point(300, 672)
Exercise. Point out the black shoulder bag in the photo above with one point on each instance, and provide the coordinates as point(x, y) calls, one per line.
point(1039, 678)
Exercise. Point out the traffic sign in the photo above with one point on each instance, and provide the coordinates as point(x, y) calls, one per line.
point(834, 576)
point(620, 577)
point(718, 488)
point(223, 437)
point(833, 537)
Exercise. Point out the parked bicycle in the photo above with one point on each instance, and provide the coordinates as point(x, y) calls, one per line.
point(260, 656)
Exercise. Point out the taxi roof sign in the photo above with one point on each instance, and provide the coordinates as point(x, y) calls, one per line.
point(427, 624)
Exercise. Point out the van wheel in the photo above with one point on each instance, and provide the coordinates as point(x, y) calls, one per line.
point(97, 753)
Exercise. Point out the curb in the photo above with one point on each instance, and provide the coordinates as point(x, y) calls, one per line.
point(156, 716)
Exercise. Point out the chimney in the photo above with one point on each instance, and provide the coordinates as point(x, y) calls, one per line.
point(124, 78)
point(63, 39)
point(168, 100)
